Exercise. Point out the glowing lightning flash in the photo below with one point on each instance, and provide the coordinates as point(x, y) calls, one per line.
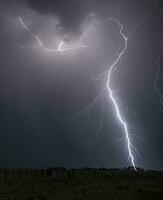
point(131, 149)
point(40, 43)
point(61, 49)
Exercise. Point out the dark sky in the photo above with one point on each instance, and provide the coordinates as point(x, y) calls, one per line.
point(41, 94)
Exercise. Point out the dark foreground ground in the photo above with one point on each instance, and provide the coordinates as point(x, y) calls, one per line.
point(104, 188)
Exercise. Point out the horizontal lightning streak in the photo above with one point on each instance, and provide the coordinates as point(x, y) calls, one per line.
point(40, 43)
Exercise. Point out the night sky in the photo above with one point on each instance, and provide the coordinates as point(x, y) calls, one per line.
point(42, 94)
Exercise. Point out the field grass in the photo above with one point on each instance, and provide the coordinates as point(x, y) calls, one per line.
point(104, 188)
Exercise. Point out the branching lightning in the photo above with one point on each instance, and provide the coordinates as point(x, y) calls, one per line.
point(110, 69)
point(40, 43)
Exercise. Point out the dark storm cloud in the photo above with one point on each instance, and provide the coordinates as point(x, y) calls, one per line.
point(73, 12)
point(70, 13)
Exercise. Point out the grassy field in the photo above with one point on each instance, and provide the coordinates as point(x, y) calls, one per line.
point(104, 188)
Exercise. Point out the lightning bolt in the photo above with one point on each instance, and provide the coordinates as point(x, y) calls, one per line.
point(158, 68)
point(40, 43)
point(113, 98)
point(112, 67)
